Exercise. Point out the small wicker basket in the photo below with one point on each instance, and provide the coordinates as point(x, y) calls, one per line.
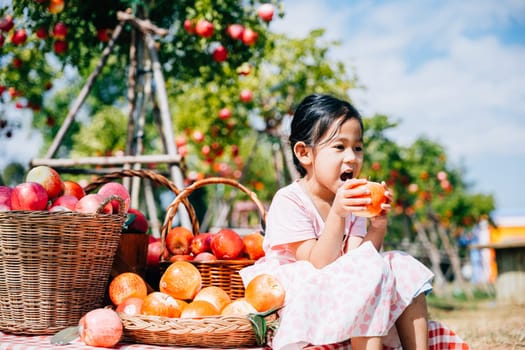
point(213, 331)
point(219, 273)
point(54, 267)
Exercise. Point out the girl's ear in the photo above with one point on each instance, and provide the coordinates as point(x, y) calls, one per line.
point(303, 153)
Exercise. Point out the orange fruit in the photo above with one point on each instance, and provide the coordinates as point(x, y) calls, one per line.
point(215, 296)
point(182, 280)
point(377, 194)
point(239, 307)
point(126, 285)
point(130, 306)
point(199, 308)
point(162, 304)
point(253, 245)
point(265, 292)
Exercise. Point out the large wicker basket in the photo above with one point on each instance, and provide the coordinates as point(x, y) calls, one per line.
point(219, 273)
point(205, 332)
point(54, 267)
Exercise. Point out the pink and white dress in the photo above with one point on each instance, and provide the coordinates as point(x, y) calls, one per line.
point(362, 293)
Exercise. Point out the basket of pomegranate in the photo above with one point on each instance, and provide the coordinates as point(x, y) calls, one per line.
point(57, 245)
point(217, 255)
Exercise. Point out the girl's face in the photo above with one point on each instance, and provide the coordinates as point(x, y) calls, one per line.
point(338, 156)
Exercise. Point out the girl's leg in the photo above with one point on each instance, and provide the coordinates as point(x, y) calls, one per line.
point(366, 343)
point(412, 325)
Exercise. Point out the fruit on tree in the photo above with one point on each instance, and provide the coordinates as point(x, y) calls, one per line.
point(249, 36)
point(246, 95)
point(220, 54)
point(377, 195)
point(59, 31)
point(100, 327)
point(226, 244)
point(55, 6)
point(6, 23)
point(19, 37)
point(60, 46)
point(29, 196)
point(49, 178)
point(265, 12)
point(265, 292)
point(204, 28)
point(182, 280)
point(225, 113)
point(235, 31)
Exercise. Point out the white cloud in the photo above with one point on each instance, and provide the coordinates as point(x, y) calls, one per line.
point(438, 67)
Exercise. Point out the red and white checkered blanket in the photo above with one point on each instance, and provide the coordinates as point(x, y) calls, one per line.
point(440, 338)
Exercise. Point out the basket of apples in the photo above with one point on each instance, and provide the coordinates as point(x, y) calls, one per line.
point(57, 246)
point(217, 255)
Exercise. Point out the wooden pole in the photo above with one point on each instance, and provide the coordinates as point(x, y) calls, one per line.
point(83, 94)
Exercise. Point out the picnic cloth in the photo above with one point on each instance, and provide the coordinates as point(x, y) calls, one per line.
point(440, 338)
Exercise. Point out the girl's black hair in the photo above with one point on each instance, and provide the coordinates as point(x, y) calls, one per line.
point(314, 116)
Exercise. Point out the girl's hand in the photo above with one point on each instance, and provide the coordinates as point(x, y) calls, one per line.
point(350, 197)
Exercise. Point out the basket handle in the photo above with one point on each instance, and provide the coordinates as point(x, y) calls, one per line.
point(145, 174)
point(121, 204)
point(172, 208)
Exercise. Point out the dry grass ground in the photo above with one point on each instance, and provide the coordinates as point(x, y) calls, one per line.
point(486, 325)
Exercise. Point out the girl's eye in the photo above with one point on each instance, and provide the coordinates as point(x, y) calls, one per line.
point(358, 148)
point(340, 147)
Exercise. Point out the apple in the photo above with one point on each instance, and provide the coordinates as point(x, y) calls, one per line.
point(204, 28)
point(205, 256)
point(6, 23)
point(235, 31)
point(5, 196)
point(2, 40)
point(154, 251)
point(226, 244)
point(67, 201)
point(90, 204)
point(19, 37)
point(201, 243)
point(60, 46)
point(244, 69)
point(246, 96)
point(4, 207)
point(183, 151)
point(265, 12)
point(225, 113)
point(139, 223)
point(60, 31)
point(41, 33)
point(103, 34)
point(249, 36)
point(48, 178)
point(29, 196)
point(116, 189)
point(181, 257)
point(189, 27)
point(73, 188)
point(220, 54)
point(178, 240)
point(198, 136)
point(181, 141)
point(56, 6)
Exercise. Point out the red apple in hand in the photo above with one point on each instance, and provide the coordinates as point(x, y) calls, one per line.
point(48, 178)
point(227, 244)
point(90, 203)
point(116, 189)
point(29, 196)
point(201, 243)
point(178, 240)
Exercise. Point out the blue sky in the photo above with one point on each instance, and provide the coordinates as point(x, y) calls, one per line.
point(453, 71)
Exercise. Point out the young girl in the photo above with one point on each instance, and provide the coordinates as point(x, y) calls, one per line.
point(338, 283)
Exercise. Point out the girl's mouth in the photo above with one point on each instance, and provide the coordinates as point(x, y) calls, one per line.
point(347, 175)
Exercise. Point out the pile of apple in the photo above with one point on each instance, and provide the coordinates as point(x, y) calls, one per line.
point(225, 244)
point(44, 189)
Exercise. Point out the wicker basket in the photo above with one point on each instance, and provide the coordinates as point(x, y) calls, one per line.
point(219, 273)
point(54, 267)
point(206, 332)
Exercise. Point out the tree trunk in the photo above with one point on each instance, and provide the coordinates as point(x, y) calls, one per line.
point(434, 256)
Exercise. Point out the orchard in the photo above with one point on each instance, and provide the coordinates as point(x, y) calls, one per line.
point(232, 86)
